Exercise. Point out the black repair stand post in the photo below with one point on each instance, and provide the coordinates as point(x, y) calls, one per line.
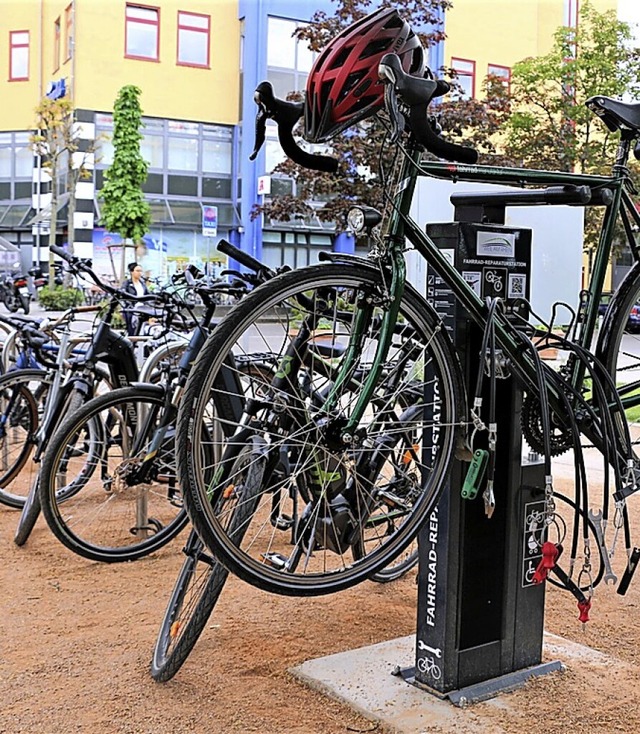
point(480, 617)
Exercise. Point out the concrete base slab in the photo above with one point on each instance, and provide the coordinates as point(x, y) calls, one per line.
point(367, 679)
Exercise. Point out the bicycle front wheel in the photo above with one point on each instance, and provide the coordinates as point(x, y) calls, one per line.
point(309, 531)
point(90, 493)
point(202, 577)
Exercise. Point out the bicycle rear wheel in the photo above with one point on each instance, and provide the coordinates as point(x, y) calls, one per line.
point(619, 350)
point(89, 493)
point(22, 394)
point(305, 536)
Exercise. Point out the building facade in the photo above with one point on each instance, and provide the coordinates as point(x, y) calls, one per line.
point(197, 64)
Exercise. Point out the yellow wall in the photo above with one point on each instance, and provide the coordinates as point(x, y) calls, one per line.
point(168, 90)
point(19, 99)
point(100, 68)
point(504, 31)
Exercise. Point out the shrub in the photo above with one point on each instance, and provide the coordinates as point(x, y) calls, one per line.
point(59, 298)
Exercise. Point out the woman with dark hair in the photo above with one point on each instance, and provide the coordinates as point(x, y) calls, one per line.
point(137, 287)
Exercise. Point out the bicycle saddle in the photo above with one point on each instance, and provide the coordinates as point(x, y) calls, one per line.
point(615, 114)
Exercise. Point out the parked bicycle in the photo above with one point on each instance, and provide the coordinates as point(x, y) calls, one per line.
point(108, 486)
point(61, 389)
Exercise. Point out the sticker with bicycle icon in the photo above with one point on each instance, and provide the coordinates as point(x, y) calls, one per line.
point(427, 664)
point(534, 526)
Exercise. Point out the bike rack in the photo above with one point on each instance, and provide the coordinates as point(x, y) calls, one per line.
point(480, 616)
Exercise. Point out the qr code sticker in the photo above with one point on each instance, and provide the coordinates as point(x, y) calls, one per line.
point(517, 285)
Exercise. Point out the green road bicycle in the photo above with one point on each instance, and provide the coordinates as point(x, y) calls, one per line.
point(362, 475)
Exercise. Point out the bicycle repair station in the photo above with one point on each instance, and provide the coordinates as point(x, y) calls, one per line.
point(481, 590)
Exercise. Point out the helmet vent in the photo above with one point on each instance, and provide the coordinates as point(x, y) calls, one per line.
point(364, 102)
point(325, 91)
point(377, 46)
point(341, 57)
point(395, 21)
point(351, 82)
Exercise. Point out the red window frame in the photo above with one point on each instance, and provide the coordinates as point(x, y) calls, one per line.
point(195, 29)
point(461, 73)
point(12, 46)
point(68, 31)
point(506, 78)
point(142, 21)
point(57, 30)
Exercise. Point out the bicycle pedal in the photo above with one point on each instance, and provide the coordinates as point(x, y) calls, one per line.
point(393, 500)
point(276, 560)
point(282, 522)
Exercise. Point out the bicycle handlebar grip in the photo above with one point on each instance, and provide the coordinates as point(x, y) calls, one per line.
point(433, 143)
point(250, 262)
point(57, 250)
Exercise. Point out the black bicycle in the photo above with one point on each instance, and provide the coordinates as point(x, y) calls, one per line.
point(121, 446)
point(108, 359)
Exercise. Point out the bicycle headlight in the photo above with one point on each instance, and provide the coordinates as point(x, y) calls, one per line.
point(360, 218)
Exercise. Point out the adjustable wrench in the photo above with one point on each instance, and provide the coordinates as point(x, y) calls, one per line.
point(596, 519)
point(433, 650)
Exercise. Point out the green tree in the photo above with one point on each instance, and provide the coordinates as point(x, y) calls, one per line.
point(550, 126)
point(358, 148)
point(125, 210)
point(57, 141)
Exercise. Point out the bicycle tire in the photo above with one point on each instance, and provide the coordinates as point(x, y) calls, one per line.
point(32, 506)
point(328, 288)
point(197, 589)
point(102, 519)
point(407, 560)
point(18, 426)
point(619, 348)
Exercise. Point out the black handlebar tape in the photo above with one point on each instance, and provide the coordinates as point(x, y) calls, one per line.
point(442, 87)
point(424, 134)
point(286, 115)
point(307, 160)
point(261, 132)
point(226, 248)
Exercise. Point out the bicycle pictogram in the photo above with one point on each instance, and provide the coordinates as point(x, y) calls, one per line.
point(428, 667)
point(495, 280)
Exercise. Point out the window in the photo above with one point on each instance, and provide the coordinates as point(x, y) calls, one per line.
point(142, 36)
point(68, 34)
point(466, 75)
point(503, 72)
point(288, 60)
point(216, 156)
point(19, 56)
point(183, 154)
point(56, 44)
point(193, 39)
point(152, 150)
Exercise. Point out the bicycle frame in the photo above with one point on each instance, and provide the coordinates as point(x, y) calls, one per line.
point(401, 227)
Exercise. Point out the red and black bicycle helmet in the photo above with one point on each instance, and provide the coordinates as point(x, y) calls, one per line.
point(343, 86)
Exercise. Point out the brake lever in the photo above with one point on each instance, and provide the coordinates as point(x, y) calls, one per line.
point(393, 109)
point(389, 79)
point(261, 126)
